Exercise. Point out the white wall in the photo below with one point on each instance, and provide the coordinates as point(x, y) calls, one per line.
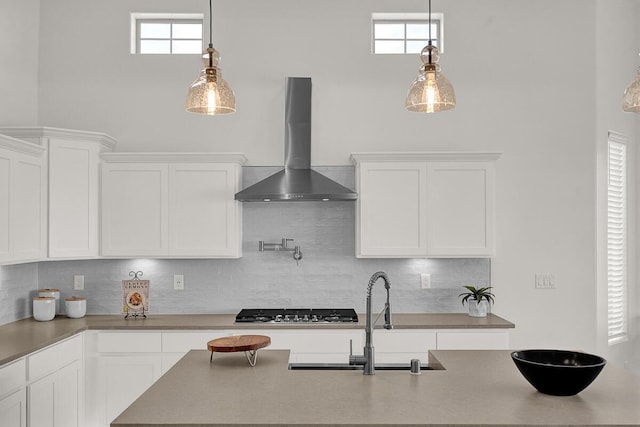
point(19, 69)
point(617, 44)
point(524, 74)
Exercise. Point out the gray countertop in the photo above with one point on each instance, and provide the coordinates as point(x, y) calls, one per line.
point(475, 388)
point(26, 336)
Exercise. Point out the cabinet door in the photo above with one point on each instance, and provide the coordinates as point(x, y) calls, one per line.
point(400, 346)
point(27, 204)
point(460, 209)
point(204, 217)
point(5, 206)
point(134, 209)
point(73, 199)
point(42, 395)
point(13, 409)
point(124, 379)
point(391, 216)
point(69, 396)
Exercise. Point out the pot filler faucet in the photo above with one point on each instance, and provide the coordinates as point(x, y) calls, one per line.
point(368, 359)
point(284, 246)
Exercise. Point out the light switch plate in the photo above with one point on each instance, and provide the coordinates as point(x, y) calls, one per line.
point(425, 280)
point(545, 281)
point(78, 282)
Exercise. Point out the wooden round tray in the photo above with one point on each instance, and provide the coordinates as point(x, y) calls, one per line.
point(247, 343)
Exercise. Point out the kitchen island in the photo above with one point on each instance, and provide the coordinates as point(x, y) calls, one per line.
point(473, 388)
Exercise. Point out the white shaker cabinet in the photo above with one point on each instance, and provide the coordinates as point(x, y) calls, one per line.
point(56, 385)
point(460, 209)
point(415, 205)
point(171, 205)
point(13, 394)
point(22, 201)
point(73, 185)
point(391, 219)
point(120, 366)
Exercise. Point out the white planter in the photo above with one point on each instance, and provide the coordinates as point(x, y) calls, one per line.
point(478, 309)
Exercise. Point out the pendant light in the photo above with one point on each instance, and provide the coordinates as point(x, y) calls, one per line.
point(631, 97)
point(210, 94)
point(431, 91)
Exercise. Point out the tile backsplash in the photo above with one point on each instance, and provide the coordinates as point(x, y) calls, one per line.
point(329, 275)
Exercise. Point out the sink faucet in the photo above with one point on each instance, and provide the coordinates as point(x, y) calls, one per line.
point(368, 359)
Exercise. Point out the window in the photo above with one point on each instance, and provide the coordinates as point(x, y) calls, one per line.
point(400, 33)
point(617, 230)
point(161, 33)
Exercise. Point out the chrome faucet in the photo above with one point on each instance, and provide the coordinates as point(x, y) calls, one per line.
point(283, 246)
point(368, 359)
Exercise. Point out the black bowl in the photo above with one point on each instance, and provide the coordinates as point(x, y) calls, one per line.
point(558, 372)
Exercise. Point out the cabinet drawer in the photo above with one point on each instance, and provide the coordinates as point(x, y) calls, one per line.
point(493, 340)
point(12, 376)
point(42, 363)
point(70, 350)
point(181, 342)
point(130, 342)
point(403, 341)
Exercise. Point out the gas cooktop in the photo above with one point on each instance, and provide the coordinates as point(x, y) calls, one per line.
point(297, 315)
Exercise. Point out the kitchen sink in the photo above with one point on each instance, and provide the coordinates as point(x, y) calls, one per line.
point(348, 367)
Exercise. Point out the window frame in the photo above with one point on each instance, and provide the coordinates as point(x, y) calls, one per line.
point(621, 333)
point(406, 18)
point(138, 17)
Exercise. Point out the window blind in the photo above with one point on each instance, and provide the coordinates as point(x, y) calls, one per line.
point(617, 238)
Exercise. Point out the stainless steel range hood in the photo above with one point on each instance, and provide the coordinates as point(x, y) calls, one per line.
point(297, 182)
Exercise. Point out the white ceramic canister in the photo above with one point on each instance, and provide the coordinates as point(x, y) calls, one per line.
point(44, 308)
point(52, 293)
point(75, 307)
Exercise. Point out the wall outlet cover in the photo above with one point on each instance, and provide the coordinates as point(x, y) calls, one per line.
point(178, 282)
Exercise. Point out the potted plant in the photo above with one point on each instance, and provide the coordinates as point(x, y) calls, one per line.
point(478, 299)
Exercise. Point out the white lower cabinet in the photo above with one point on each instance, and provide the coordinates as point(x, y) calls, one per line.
point(321, 346)
point(42, 395)
point(120, 366)
point(13, 409)
point(483, 339)
point(55, 385)
point(400, 346)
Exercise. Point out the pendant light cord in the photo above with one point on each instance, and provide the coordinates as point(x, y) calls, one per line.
point(429, 21)
point(211, 24)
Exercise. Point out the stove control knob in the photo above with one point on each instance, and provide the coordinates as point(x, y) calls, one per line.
point(278, 318)
point(314, 318)
point(305, 318)
point(296, 318)
point(286, 318)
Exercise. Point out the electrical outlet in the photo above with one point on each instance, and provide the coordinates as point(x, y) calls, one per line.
point(78, 282)
point(425, 280)
point(178, 282)
point(545, 281)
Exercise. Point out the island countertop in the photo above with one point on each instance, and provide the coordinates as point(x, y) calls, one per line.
point(28, 335)
point(475, 388)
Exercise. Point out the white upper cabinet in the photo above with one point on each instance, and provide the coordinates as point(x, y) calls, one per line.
point(392, 209)
point(171, 205)
point(414, 205)
point(22, 201)
point(73, 185)
point(460, 200)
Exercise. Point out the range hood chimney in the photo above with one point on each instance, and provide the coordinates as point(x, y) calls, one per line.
point(297, 182)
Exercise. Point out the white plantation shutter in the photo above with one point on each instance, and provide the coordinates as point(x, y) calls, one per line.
point(617, 238)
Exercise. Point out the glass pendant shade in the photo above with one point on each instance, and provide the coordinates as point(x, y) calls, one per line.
point(431, 91)
point(631, 97)
point(210, 94)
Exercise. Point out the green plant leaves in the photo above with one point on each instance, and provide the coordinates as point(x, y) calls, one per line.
point(477, 294)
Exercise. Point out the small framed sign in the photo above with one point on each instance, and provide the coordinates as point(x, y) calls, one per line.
point(135, 296)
